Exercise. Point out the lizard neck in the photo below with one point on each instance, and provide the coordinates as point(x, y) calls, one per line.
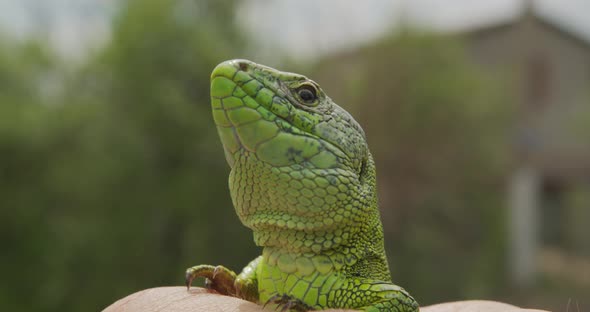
point(358, 261)
point(303, 264)
point(362, 256)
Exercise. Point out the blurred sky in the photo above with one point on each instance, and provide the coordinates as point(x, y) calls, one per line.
point(303, 28)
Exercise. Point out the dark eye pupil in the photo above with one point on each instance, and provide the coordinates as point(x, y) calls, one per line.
point(306, 95)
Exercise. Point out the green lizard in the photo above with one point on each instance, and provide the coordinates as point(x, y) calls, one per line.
point(303, 179)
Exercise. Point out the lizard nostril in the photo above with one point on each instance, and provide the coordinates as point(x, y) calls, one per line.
point(243, 66)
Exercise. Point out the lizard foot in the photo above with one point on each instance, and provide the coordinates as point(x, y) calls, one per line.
point(218, 278)
point(288, 303)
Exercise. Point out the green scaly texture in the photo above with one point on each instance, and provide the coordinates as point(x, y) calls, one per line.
point(303, 179)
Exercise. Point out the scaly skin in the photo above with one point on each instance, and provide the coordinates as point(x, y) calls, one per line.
point(303, 180)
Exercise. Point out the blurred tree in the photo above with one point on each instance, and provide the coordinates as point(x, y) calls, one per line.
point(23, 69)
point(118, 183)
point(437, 128)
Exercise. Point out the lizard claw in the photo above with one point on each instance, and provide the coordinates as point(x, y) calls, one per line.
point(288, 303)
point(188, 279)
point(217, 278)
point(205, 271)
point(271, 299)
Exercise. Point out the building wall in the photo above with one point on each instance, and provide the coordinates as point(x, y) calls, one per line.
point(550, 70)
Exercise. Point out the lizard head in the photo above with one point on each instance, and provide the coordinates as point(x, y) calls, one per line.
point(284, 118)
point(299, 161)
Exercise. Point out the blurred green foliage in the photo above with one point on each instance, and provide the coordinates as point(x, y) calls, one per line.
point(115, 181)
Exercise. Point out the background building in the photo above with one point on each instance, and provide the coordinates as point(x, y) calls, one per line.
point(548, 69)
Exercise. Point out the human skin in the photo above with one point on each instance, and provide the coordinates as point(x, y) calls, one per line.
point(178, 299)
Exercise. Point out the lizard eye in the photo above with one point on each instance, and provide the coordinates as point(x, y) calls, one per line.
point(307, 93)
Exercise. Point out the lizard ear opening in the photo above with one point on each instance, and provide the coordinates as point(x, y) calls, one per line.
point(363, 168)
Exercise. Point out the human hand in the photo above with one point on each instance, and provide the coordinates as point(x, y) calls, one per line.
point(178, 299)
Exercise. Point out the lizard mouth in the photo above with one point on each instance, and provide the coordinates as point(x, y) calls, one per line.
point(242, 123)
